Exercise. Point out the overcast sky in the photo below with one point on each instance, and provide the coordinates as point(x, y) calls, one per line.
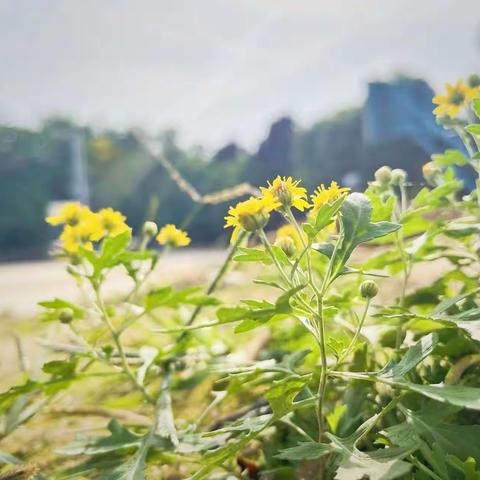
point(220, 70)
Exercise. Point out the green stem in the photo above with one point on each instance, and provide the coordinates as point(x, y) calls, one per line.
point(116, 338)
point(424, 468)
point(355, 336)
point(322, 384)
point(458, 368)
point(220, 274)
point(295, 224)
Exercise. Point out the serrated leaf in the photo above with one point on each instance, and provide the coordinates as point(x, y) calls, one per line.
point(252, 255)
point(324, 217)
point(412, 357)
point(119, 438)
point(282, 393)
point(305, 451)
point(356, 215)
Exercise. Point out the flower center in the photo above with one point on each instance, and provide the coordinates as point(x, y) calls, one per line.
point(457, 98)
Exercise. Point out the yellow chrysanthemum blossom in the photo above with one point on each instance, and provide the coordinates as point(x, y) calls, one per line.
point(110, 223)
point(75, 236)
point(251, 215)
point(72, 213)
point(323, 195)
point(172, 236)
point(289, 231)
point(455, 100)
point(287, 193)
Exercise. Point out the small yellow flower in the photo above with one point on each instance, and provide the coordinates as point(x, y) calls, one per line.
point(72, 213)
point(454, 101)
point(251, 215)
point(75, 236)
point(287, 193)
point(172, 236)
point(323, 195)
point(110, 223)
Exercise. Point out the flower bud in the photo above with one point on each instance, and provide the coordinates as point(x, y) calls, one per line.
point(474, 81)
point(287, 244)
point(150, 229)
point(399, 176)
point(368, 289)
point(430, 172)
point(383, 175)
point(66, 315)
point(252, 222)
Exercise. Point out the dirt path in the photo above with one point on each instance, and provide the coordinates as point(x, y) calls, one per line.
point(23, 285)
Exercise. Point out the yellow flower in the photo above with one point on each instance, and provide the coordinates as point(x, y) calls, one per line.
point(110, 222)
point(323, 195)
point(75, 236)
point(456, 98)
point(289, 231)
point(251, 215)
point(72, 213)
point(172, 236)
point(287, 193)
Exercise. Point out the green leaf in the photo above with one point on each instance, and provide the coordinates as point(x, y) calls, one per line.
point(61, 368)
point(110, 253)
point(476, 106)
point(468, 467)
point(361, 465)
point(474, 129)
point(465, 397)
point(412, 357)
point(120, 438)
point(252, 255)
point(356, 215)
point(386, 464)
point(167, 297)
point(305, 451)
point(283, 392)
point(325, 216)
point(9, 459)
point(436, 197)
point(450, 157)
point(333, 418)
point(54, 306)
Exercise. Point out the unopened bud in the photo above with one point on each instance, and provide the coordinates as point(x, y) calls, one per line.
point(287, 244)
point(66, 315)
point(474, 81)
point(399, 176)
point(430, 172)
point(368, 289)
point(150, 229)
point(383, 175)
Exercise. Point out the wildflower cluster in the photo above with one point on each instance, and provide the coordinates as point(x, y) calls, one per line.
point(282, 194)
point(82, 228)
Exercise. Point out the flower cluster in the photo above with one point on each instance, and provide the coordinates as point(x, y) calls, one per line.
point(82, 228)
point(456, 97)
point(282, 194)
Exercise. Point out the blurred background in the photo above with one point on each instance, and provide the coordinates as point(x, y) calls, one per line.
point(232, 91)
